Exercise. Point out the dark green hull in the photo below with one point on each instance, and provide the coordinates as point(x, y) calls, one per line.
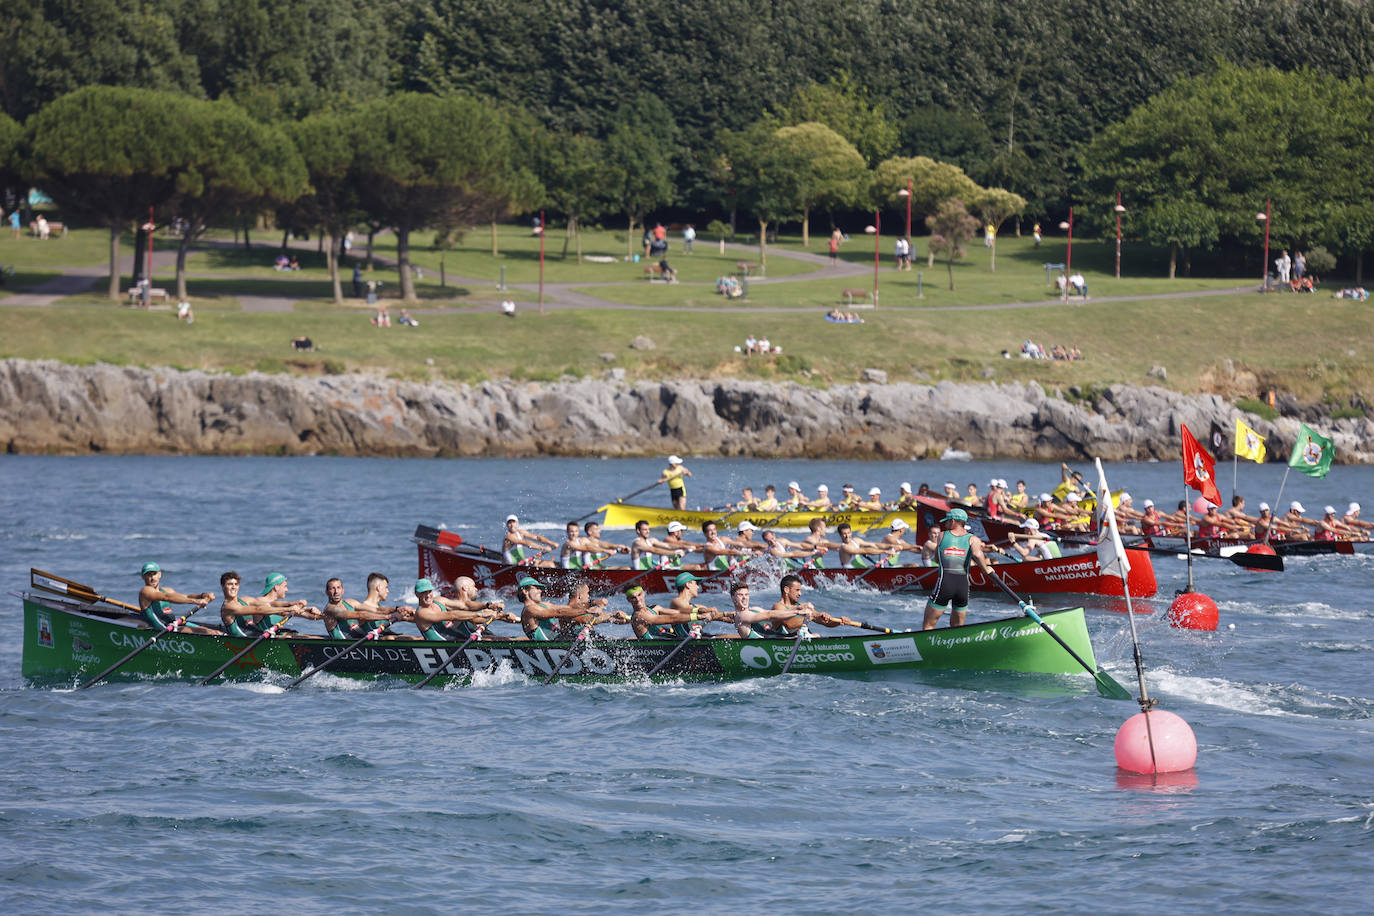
point(68, 642)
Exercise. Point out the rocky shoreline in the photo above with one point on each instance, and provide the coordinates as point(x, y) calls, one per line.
point(48, 407)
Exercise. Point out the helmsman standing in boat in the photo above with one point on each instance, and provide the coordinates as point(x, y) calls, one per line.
point(955, 550)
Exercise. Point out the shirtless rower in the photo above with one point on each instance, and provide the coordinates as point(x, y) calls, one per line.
point(517, 544)
point(654, 621)
point(955, 550)
point(237, 613)
point(854, 551)
point(441, 619)
point(345, 619)
point(155, 601)
point(672, 476)
point(648, 552)
point(540, 619)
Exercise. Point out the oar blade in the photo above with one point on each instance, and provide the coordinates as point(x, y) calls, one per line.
point(1109, 687)
point(1262, 561)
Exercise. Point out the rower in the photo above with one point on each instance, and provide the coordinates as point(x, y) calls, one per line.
point(822, 501)
point(1352, 520)
point(952, 492)
point(1070, 481)
point(688, 587)
point(906, 500)
point(1265, 529)
point(672, 476)
point(895, 539)
point(747, 502)
point(654, 621)
point(155, 601)
point(995, 503)
point(795, 499)
point(758, 623)
point(790, 554)
point(816, 540)
point(345, 619)
point(674, 539)
point(769, 503)
point(1152, 524)
point(1020, 500)
point(517, 543)
point(955, 550)
point(1031, 542)
point(237, 612)
point(744, 537)
point(874, 503)
point(441, 619)
point(799, 612)
point(647, 552)
point(598, 550)
point(541, 620)
point(1128, 516)
point(972, 499)
point(854, 551)
point(849, 500)
point(1293, 521)
point(1329, 528)
point(715, 550)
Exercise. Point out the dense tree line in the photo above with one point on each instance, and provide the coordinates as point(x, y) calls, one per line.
point(624, 109)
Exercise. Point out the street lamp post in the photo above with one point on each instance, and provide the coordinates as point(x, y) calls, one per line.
point(148, 271)
point(542, 225)
point(1068, 254)
point(877, 242)
point(1264, 265)
point(1119, 210)
point(906, 192)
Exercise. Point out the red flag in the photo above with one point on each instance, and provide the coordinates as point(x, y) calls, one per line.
point(1199, 468)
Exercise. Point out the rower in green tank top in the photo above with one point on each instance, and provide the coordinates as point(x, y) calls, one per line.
point(345, 619)
point(540, 619)
point(443, 619)
point(239, 615)
point(155, 602)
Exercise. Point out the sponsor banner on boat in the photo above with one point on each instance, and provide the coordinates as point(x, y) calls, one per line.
point(133, 639)
point(892, 651)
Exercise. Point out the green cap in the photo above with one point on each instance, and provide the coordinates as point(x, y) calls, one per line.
point(683, 578)
point(148, 567)
point(423, 585)
point(955, 515)
point(273, 580)
point(631, 589)
point(528, 581)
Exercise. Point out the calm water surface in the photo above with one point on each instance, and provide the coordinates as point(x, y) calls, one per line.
point(801, 793)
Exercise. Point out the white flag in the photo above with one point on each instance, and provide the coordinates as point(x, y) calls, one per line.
point(1111, 555)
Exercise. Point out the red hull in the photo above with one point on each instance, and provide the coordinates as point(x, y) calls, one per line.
point(1067, 575)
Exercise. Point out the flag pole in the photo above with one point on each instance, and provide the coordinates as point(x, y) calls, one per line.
point(1188, 534)
point(1274, 512)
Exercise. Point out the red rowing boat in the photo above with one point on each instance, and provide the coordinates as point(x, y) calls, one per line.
point(444, 560)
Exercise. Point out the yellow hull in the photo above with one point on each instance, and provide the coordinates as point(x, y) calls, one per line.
point(622, 515)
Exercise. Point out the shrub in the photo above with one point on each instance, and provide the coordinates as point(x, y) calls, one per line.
point(1320, 261)
point(1258, 408)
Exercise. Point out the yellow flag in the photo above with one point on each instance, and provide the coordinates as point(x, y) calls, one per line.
point(1249, 444)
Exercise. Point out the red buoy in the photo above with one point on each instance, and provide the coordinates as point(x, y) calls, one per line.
point(1261, 548)
point(1193, 611)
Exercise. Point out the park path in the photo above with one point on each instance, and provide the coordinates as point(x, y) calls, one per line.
point(557, 296)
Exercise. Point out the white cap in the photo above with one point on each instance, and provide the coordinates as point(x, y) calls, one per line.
point(1072, 497)
point(906, 487)
point(1030, 523)
point(898, 525)
point(1125, 498)
point(676, 526)
point(512, 518)
point(747, 525)
point(847, 488)
point(875, 492)
point(794, 486)
point(1330, 510)
point(822, 489)
point(1150, 502)
point(674, 459)
point(1264, 507)
point(1046, 498)
point(1295, 505)
point(1209, 504)
point(1352, 508)
point(1002, 482)
point(993, 482)
point(950, 486)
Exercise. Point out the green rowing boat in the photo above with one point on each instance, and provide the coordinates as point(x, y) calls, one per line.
point(66, 641)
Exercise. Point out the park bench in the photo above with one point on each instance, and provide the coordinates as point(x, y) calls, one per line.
point(652, 272)
point(851, 294)
point(55, 227)
point(749, 268)
point(136, 294)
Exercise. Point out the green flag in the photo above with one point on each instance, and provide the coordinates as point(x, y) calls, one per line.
point(1312, 453)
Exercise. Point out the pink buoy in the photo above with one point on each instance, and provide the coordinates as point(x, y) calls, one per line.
point(1175, 747)
point(1193, 611)
point(1261, 548)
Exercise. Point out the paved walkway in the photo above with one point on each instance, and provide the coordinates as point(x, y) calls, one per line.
point(557, 296)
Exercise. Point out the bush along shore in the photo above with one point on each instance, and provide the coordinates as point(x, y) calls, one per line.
point(48, 407)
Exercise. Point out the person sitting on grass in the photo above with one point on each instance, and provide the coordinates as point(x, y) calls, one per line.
point(282, 262)
point(669, 275)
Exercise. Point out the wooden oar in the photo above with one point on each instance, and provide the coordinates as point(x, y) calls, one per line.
point(60, 586)
point(1271, 562)
point(172, 627)
point(370, 634)
point(453, 539)
point(616, 501)
point(695, 632)
point(583, 636)
point(476, 634)
point(265, 634)
point(1106, 684)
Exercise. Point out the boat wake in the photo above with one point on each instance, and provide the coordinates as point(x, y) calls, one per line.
point(1279, 700)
